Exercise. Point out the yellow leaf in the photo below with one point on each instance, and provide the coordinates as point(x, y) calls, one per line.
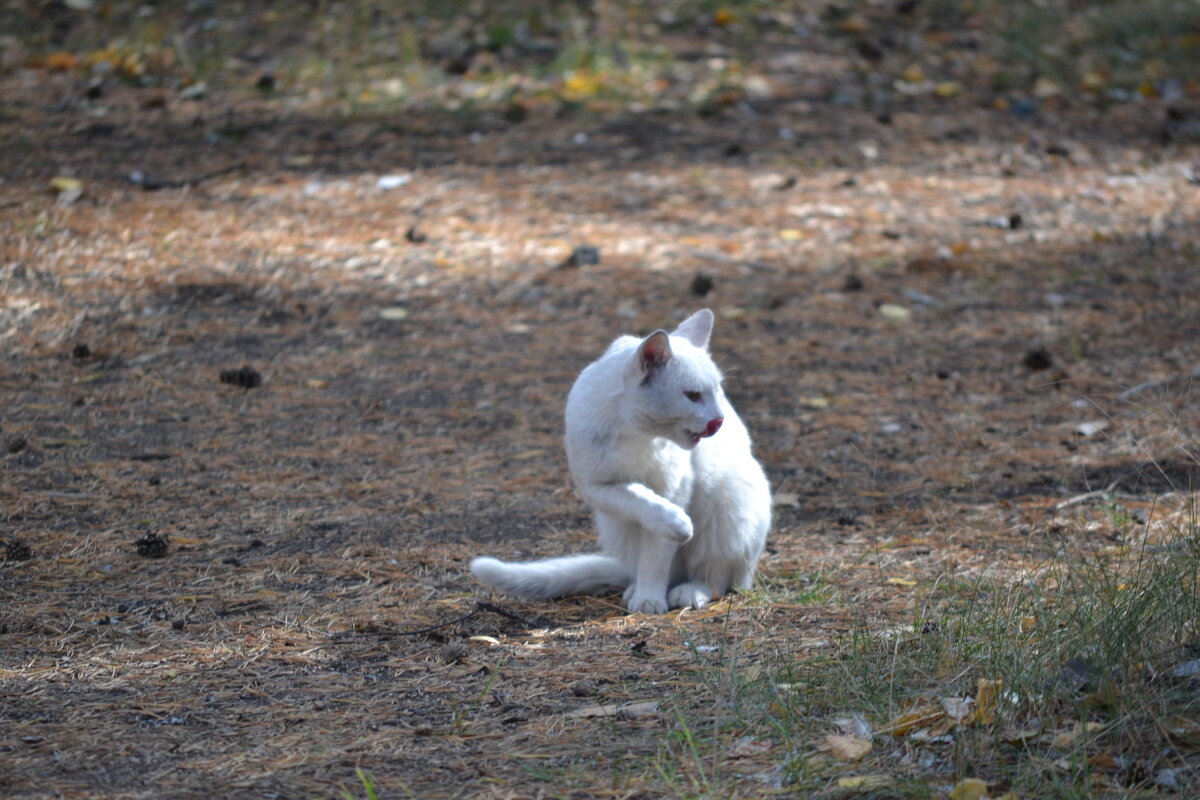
point(581, 83)
point(848, 747)
point(1067, 739)
point(969, 789)
point(854, 24)
point(722, 17)
point(913, 74)
point(901, 582)
point(920, 717)
point(1027, 623)
point(316, 383)
point(61, 183)
point(947, 88)
point(864, 783)
point(1094, 80)
point(986, 694)
point(791, 234)
point(61, 61)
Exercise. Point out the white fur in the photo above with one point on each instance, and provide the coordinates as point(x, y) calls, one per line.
point(681, 519)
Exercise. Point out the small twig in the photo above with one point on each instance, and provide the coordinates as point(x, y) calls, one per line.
point(479, 606)
point(718, 258)
point(150, 185)
point(303, 627)
point(482, 606)
point(1083, 498)
point(1191, 374)
point(446, 624)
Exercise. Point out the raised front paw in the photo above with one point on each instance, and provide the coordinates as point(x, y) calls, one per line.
point(676, 525)
point(695, 595)
point(644, 603)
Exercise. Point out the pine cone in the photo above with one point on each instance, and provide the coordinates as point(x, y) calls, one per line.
point(152, 546)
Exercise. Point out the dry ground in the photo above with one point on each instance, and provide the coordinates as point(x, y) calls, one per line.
point(410, 415)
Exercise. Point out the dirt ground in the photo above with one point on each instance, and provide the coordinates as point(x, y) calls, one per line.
point(927, 320)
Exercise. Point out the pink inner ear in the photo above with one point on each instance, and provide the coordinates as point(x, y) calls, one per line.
point(656, 350)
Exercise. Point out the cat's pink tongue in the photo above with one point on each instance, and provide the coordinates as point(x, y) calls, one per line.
point(713, 426)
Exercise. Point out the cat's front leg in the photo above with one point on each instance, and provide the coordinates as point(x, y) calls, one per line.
point(648, 592)
point(643, 505)
point(690, 595)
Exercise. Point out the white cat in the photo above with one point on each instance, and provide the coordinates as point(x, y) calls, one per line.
point(655, 448)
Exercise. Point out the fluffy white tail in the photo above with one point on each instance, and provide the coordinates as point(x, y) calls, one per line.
point(554, 577)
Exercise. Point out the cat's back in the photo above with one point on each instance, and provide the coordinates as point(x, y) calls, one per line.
point(601, 381)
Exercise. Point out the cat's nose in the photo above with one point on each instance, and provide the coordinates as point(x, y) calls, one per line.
point(713, 426)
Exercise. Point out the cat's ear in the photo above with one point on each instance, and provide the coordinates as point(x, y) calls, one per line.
point(654, 352)
point(697, 328)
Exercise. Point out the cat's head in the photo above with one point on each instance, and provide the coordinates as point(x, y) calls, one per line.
point(676, 387)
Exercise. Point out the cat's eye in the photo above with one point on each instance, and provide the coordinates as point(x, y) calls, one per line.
point(693, 396)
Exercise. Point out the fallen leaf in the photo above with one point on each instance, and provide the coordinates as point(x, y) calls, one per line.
point(61, 183)
point(792, 234)
point(854, 723)
point(894, 312)
point(1091, 428)
point(490, 641)
point(854, 24)
point(790, 499)
point(722, 17)
point(1044, 88)
point(969, 789)
point(646, 708)
point(847, 747)
point(947, 88)
point(1066, 739)
point(61, 61)
point(748, 747)
point(920, 717)
point(987, 692)
point(1182, 729)
point(1014, 736)
point(386, 182)
point(393, 313)
point(958, 709)
point(1187, 669)
point(864, 783)
point(581, 83)
point(901, 582)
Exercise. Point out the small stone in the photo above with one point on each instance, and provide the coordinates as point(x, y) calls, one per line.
point(582, 256)
point(702, 284)
point(1038, 359)
point(245, 377)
